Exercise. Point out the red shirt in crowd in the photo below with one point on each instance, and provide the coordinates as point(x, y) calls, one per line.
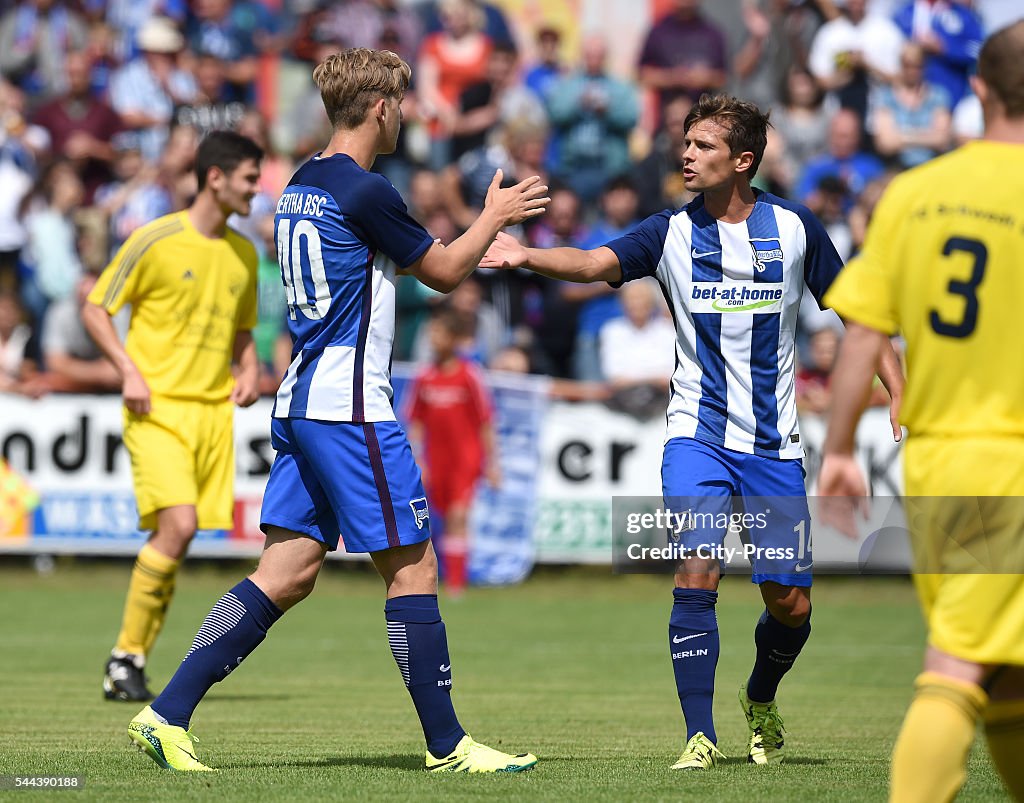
point(452, 404)
point(64, 117)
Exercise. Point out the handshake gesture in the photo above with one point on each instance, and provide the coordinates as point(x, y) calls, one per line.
point(514, 205)
point(505, 252)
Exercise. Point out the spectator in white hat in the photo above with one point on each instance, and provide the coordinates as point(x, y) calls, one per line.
point(146, 90)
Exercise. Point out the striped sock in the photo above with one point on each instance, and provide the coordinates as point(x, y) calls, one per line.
point(420, 647)
point(233, 628)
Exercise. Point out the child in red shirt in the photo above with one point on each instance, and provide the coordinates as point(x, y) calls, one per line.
point(450, 426)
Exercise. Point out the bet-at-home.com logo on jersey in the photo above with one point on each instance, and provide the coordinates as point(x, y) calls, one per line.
point(757, 298)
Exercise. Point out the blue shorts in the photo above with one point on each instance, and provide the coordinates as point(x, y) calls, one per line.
point(334, 478)
point(706, 479)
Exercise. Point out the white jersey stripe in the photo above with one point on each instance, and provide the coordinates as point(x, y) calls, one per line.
point(333, 372)
point(790, 228)
point(686, 380)
point(284, 392)
point(736, 331)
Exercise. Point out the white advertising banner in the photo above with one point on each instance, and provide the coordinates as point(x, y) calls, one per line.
point(564, 463)
point(69, 450)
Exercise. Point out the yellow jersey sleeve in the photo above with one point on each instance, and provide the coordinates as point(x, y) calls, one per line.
point(865, 290)
point(122, 280)
point(119, 283)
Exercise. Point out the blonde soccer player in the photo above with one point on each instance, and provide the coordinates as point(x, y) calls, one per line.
point(344, 471)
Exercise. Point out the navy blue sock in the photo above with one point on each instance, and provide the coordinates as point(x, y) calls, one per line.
point(418, 642)
point(232, 629)
point(777, 649)
point(693, 642)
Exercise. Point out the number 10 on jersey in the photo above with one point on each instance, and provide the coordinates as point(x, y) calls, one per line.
point(302, 267)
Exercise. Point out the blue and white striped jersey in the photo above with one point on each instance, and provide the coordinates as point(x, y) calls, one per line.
point(340, 233)
point(734, 290)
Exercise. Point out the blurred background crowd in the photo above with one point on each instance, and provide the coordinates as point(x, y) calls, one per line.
point(102, 105)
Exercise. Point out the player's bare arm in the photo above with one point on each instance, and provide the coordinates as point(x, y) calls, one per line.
point(571, 264)
point(100, 327)
point(443, 268)
point(247, 376)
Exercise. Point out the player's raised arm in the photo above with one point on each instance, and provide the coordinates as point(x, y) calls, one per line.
point(629, 257)
point(571, 264)
point(443, 268)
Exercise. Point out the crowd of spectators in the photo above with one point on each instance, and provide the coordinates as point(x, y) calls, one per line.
point(102, 104)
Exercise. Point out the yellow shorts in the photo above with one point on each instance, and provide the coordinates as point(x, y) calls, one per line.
point(965, 508)
point(183, 453)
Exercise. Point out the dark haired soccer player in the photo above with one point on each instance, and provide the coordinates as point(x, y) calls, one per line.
point(191, 284)
point(733, 265)
point(943, 263)
point(344, 466)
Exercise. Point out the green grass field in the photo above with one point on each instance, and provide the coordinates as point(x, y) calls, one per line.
point(572, 666)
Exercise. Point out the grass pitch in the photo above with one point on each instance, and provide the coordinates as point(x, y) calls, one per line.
point(572, 666)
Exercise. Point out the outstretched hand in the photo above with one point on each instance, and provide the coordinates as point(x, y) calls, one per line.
point(505, 252)
point(513, 205)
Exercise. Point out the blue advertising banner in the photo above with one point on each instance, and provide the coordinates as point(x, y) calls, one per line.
point(502, 519)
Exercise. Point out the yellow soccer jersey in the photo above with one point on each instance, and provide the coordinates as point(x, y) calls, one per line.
point(943, 263)
point(189, 295)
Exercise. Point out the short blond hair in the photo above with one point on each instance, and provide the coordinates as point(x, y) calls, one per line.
point(354, 79)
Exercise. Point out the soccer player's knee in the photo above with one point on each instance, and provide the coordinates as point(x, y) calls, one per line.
point(408, 569)
point(292, 590)
point(303, 581)
point(704, 582)
point(418, 579)
point(698, 573)
point(286, 584)
point(177, 525)
point(792, 608)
